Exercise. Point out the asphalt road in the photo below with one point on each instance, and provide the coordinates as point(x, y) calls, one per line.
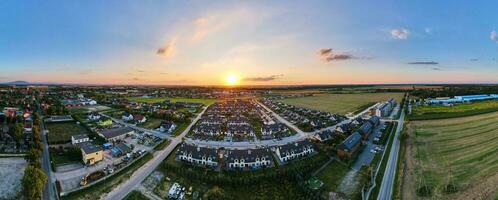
point(49, 192)
point(386, 187)
point(120, 191)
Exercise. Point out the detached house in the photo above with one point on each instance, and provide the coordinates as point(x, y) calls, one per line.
point(167, 127)
point(127, 117)
point(91, 154)
point(294, 150)
point(77, 139)
point(196, 155)
point(139, 118)
point(249, 158)
point(324, 135)
point(93, 116)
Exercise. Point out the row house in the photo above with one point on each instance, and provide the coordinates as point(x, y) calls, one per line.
point(196, 155)
point(294, 150)
point(248, 159)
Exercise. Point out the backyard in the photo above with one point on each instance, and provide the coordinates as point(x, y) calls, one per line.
point(341, 103)
point(451, 158)
point(61, 132)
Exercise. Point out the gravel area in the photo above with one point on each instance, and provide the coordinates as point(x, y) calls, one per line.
point(11, 172)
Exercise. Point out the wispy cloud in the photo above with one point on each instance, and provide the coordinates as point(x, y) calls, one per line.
point(262, 79)
point(400, 34)
point(167, 50)
point(436, 69)
point(423, 63)
point(329, 55)
point(494, 36)
point(474, 59)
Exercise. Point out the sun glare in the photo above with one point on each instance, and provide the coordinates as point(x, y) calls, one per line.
point(231, 79)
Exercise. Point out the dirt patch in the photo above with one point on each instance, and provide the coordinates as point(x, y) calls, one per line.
point(408, 178)
point(485, 189)
point(11, 173)
point(348, 183)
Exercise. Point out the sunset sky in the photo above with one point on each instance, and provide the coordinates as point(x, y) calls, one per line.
point(259, 42)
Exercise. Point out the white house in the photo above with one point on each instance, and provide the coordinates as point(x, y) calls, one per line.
point(294, 150)
point(76, 139)
point(127, 117)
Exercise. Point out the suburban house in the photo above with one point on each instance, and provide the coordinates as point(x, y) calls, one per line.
point(197, 155)
point(350, 145)
point(93, 116)
point(116, 133)
point(167, 127)
point(208, 130)
point(139, 118)
point(240, 130)
point(91, 154)
point(269, 129)
point(343, 128)
point(76, 139)
point(294, 150)
point(249, 158)
point(127, 117)
point(324, 135)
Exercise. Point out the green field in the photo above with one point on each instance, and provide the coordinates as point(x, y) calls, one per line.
point(459, 152)
point(332, 175)
point(61, 132)
point(151, 123)
point(174, 99)
point(341, 103)
point(458, 110)
point(136, 195)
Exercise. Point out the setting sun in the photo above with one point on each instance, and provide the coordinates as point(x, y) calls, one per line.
point(231, 79)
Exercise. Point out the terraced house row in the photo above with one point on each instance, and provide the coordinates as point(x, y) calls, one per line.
point(243, 159)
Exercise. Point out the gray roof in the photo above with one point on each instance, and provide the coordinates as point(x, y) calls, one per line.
point(81, 136)
point(111, 133)
point(296, 147)
point(197, 152)
point(365, 128)
point(123, 148)
point(91, 148)
point(351, 141)
point(249, 155)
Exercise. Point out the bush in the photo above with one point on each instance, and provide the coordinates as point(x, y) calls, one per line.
point(450, 189)
point(425, 191)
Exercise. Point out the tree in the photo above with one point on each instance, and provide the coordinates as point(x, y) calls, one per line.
point(33, 182)
point(18, 129)
point(34, 156)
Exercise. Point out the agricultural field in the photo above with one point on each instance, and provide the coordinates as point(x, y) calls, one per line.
point(61, 132)
point(174, 99)
point(342, 103)
point(451, 158)
point(458, 110)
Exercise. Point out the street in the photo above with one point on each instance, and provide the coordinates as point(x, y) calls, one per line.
point(386, 187)
point(49, 190)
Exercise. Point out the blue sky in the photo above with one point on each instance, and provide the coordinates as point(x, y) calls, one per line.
point(260, 42)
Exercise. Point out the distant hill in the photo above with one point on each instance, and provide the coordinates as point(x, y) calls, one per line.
point(16, 83)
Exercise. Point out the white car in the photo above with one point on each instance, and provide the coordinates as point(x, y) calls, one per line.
point(373, 151)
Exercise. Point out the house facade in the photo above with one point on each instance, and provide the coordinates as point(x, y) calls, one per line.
point(196, 155)
point(294, 150)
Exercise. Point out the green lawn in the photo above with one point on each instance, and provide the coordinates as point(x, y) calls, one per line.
point(151, 123)
point(173, 99)
point(332, 175)
point(135, 195)
point(341, 103)
point(61, 157)
point(466, 147)
point(180, 128)
point(61, 132)
point(458, 110)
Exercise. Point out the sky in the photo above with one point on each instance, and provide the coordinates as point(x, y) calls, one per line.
point(156, 42)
